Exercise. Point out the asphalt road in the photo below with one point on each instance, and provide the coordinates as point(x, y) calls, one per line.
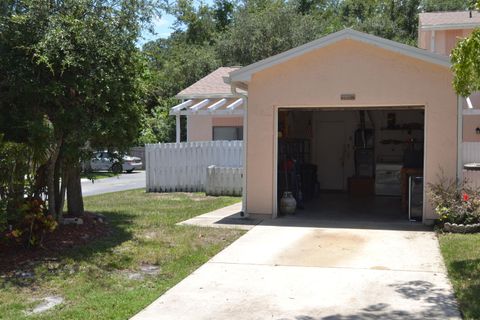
point(125, 181)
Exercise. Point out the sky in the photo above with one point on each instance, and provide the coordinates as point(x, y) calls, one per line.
point(163, 25)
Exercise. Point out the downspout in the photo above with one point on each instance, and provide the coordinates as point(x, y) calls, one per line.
point(244, 212)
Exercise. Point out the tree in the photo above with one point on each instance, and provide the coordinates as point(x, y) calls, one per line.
point(466, 64)
point(262, 28)
point(72, 65)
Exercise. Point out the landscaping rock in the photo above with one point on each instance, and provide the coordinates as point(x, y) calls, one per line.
point(461, 228)
point(75, 220)
point(46, 304)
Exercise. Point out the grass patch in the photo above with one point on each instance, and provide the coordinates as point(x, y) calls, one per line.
point(97, 175)
point(461, 253)
point(106, 279)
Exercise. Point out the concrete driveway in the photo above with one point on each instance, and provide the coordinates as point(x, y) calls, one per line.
point(122, 182)
point(306, 273)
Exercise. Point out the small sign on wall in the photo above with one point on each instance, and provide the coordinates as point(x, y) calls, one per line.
point(347, 96)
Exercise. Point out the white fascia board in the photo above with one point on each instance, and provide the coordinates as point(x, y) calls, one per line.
point(205, 96)
point(244, 74)
point(450, 26)
point(222, 112)
point(471, 112)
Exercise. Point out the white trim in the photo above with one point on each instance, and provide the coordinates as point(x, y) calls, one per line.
point(244, 74)
point(177, 128)
point(205, 96)
point(217, 104)
point(232, 106)
point(449, 26)
point(181, 106)
point(209, 113)
point(471, 112)
point(469, 103)
point(275, 163)
point(200, 105)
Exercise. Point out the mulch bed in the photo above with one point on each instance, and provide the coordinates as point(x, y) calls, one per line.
point(14, 255)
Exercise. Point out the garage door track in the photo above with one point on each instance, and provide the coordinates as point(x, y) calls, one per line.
point(308, 273)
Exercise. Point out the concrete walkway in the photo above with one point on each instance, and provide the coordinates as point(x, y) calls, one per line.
point(228, 217)
point(306, 273)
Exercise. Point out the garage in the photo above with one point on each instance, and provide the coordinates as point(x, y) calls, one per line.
point(364, 106)
point(351, 163)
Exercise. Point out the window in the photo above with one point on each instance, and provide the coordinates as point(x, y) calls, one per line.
point(227, 133)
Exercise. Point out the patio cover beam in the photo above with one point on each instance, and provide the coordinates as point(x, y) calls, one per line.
point(181, 106)
point(200, 105)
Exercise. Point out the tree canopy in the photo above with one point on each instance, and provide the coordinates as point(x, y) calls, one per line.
point(71, 77)
point(466, 64)
point(240, 32)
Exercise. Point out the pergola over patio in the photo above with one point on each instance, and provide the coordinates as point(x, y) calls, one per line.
point(208, 96)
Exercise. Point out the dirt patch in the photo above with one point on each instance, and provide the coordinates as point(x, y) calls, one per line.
point(15, 256)
point(322, 248)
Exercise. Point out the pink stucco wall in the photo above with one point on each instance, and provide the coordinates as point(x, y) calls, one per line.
point(200, 127)
point(377, 77)
point(445, 40)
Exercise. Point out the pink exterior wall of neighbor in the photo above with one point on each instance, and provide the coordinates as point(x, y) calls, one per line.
point(377, 77)
point(470, 123)
point(445, 40)
point(200, 127)
point(227, 122)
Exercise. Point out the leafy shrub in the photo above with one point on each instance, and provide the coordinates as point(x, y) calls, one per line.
point(34, 224)
point(454, 203)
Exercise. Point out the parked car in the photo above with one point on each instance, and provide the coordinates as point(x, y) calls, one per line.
point(107, 161)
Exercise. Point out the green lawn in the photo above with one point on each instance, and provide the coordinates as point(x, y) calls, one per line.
point(462, 257)
point(98, 281)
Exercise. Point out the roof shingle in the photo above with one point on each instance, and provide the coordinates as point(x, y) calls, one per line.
point(431, 19)
point(212, 84)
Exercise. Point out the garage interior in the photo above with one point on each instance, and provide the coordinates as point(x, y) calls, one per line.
point(352, 164)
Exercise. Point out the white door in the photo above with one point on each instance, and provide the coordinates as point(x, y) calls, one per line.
point(329, 148)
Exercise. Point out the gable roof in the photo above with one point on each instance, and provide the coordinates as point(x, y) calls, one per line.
point(449, 20)
point(210, 86)
point(244, 74)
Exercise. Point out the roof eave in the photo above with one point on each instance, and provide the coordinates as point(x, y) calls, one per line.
point(204, 96)
point(449, 26)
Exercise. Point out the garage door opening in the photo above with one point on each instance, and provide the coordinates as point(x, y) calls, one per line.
point(351, 164)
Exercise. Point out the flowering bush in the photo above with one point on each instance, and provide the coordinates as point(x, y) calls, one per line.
point(455, 204)
point(34, 224)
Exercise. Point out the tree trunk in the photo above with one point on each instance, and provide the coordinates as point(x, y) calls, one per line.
point(74, 190)
point(51, 164)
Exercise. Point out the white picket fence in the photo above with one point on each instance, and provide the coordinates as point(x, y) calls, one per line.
point(183, 166)
point(224, 181)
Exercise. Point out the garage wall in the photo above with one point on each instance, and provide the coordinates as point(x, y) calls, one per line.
point(376, 76)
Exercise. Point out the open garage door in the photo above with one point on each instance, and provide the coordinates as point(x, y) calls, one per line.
point(352, 163)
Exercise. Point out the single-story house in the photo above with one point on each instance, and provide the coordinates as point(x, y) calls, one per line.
point(351, 123)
